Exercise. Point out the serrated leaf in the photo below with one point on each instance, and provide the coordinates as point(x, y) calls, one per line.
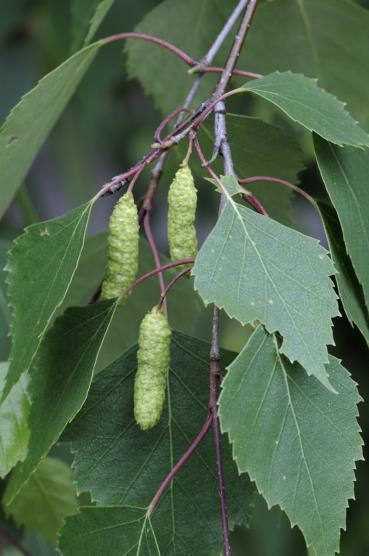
point(180, 23)
point(87, 15)
point(46, 499)
point(257, 269)
point(60, 381)
point(345, 174)
point(14, 432)
point(31, 120)
point(296, 440)
point(301, 99)
point(185, 306)
point(317, 39)
point(350, 290)
point(41, 266)
point(4, 309)
point(258, 149)
point(104, 436)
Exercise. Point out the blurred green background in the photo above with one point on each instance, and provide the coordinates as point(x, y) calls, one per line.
point(106, 128)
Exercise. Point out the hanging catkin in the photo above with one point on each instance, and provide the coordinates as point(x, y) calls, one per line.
point(182, 201)
point(123, 238)
point(152, 368)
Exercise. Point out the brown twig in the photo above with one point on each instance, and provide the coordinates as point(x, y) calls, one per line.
point(155, 253)
point(173, 281)
point(156, 271)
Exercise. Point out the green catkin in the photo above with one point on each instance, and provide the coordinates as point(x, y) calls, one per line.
point(182, 201)
point(152, 368)
point(123, 238)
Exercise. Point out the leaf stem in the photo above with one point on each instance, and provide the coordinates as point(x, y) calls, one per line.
point(155, 253)
point(256, 179)
point(157, 270)
point(186, 456)
point(173, 281)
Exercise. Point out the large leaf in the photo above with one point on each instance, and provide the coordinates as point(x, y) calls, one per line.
point(190, 25)
point(46, 499)
point(316, 38)
point(345, 175)
point(256, 268)
point(185, 306)
point(304, 102)
point(32, 119)
point(41, 266)
point(14, 432)
point(87, 15)
point(351, 292)
point(260, 149)
point(60, 381)
point(104, 436)
point(296, 440)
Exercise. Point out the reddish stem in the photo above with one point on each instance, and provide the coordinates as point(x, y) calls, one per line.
point(166, 121)
point(256, 179)
point(155, 253)
point(156, 40)
point(173, 281)
point(186, 456)
point(157, 271)
point(253, 202)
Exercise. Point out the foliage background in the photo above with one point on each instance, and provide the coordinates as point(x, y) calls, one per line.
point(105, 129)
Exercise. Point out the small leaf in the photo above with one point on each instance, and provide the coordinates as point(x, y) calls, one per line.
point(105, 435)
point(296, 440)
point(350, 290)
point(31, 120)
point(345, 174)
point(60, 381)
point(87, 15)
point(257, 269)
point(46, 499)
point(14, 432)
point(302, 100)
point(41, 266)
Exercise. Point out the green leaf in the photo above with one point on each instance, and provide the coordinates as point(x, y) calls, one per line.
point(60, 381)
point(257, 269)
point(41, 266)
point(317, 39)
point(190, 25)
point(46, 499)
point(296, 440)
point(304, 102)
point(14, 432)
point(345, 175)
point(259, 149)
point(31, 120)
point(87, 15)
point(185, 306)
point(113, 530)
point(4, 309)
point(104, 436)
point(350, 290)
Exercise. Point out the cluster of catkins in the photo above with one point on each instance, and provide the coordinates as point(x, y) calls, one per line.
point(153, 354)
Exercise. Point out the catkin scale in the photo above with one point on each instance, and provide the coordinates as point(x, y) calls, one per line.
point(182, 202)
point(123, 238)
point(152, 368)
